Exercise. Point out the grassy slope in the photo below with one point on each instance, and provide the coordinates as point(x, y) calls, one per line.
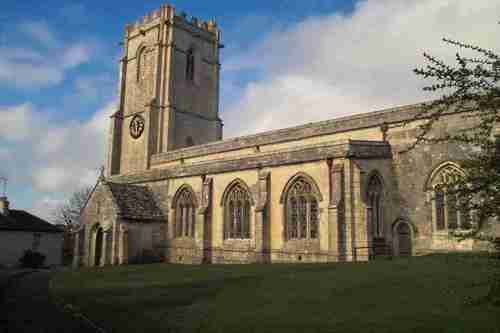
point(423, 294)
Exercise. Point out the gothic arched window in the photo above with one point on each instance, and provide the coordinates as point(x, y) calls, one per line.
point(439, 208)
point(375, 206)
point(142, 60)
point(302, 212)
point(237, 213)
point(448, 210)
point(185, 213)
point(190, 65)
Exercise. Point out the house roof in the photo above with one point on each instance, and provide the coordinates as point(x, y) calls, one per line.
point(20, 220)
point(135, 202)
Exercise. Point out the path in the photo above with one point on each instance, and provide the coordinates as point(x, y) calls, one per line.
point(27, 307)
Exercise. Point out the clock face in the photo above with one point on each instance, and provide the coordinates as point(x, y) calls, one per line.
point(137, 126)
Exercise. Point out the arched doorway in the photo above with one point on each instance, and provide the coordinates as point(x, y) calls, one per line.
point(402, 235)
point(98, 246)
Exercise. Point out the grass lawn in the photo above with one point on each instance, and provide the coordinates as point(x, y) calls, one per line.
point(422, 294)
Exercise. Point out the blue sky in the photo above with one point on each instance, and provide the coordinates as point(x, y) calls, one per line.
point(99, 24)
point(286, 62)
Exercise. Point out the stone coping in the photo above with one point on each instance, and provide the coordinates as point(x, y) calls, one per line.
point(340, 149)
point(332, 126)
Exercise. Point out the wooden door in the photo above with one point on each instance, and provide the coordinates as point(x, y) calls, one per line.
point(404, 239)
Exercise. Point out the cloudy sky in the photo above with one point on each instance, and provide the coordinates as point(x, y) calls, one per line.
point(286, 62)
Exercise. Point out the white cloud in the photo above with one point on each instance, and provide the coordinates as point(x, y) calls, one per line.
point(26, 75)
point(44, 206)
point(42, 60)
point(321, 68)
point(50, 157)
point(39, 31)
point(91, 88)
point(76, 55)
point(335, 65)
point(51, 178)
point(20, 122)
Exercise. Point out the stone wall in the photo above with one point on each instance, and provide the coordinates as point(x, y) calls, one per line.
point(154, 85)
point(403, 174)
point(100, 211)
point(267, 230)
point(411, 171)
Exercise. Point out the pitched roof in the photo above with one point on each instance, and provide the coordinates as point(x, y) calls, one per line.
point(135, 202)
point(20, 220)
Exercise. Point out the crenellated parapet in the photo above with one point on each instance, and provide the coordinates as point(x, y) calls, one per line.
point(168, 14)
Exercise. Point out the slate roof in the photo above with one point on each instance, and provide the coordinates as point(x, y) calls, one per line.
point(20, 220)
point(135, 202)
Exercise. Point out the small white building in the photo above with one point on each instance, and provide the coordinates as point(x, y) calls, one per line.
point(20, 231)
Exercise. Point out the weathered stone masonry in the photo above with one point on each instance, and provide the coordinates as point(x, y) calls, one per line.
point(336, 190)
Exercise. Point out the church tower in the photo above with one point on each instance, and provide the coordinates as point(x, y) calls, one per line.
point(169, 89)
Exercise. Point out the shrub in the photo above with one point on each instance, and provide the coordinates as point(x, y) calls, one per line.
point(32, 259)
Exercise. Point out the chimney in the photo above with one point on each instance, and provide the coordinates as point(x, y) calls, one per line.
point(4, 206)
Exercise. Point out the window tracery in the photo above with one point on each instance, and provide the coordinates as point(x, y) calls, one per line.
point(237, 206)
point(185, 214)
point(142, 60)
point(448, 210)
point(439, 208)
point(302, 212)
point(375, 206)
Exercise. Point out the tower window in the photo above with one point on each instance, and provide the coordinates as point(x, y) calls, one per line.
point(142, 61)
point(190, 65)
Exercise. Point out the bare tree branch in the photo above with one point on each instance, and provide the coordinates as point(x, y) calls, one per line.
point(68, 213)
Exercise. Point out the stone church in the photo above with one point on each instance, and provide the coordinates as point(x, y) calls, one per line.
point(174, 191)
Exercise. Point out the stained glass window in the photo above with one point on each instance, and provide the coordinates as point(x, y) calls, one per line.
point(314, 219)
point(440, 217)
point(185, 214)
point(293, 214)
point(375, 219)
point(302, 211)
point(237, 214)
point(450, 210)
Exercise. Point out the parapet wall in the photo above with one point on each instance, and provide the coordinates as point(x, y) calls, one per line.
point(168, 13)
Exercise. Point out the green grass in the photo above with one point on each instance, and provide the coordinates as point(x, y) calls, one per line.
point(424, 294)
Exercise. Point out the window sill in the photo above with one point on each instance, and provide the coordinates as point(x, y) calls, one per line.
point(302, 244)
point(183, 238)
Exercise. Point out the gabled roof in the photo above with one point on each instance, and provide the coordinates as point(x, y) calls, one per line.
point(135, 202)
point(20, 220)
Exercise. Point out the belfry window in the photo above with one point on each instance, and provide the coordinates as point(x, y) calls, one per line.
point(375, 200)
point(302, 212)
point(142, 60)
point(190, 65)
point(237, 213)
point(185, 214)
